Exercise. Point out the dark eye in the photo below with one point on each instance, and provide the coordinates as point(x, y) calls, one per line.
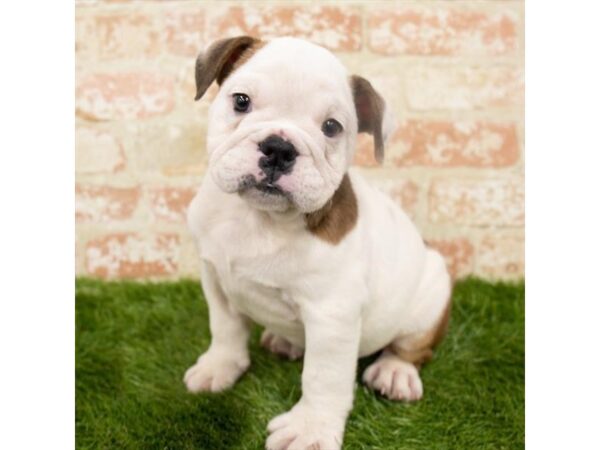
point(331, 128)
point(241, 102)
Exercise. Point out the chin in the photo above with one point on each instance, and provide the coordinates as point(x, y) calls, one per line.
point(267, 199)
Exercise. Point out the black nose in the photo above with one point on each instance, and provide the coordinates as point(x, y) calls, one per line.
point(280, 156)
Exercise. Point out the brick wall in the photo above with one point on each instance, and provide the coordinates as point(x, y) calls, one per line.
point(452, 70)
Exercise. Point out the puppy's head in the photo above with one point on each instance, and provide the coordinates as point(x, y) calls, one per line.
point(282, 128)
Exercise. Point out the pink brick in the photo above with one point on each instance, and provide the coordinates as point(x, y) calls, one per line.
point(494, 202)
point(502, 255)
point(454, 144)
point(184, 31)
point(130, 255)
point(97, 151)
point(365, 153)
point(404, 192)
point(335, 27)
point(134, 95)
point(105, 203)
point(170, 204)
point(439, 143)
point(458, 253)
point(412, 30)
point(463, 87)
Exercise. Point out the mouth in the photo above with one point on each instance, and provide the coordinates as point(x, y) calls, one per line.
point(264, 186)
point(269, 188)
point(265, 195)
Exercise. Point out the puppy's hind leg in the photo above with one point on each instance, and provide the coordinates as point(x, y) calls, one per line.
point(395, 373)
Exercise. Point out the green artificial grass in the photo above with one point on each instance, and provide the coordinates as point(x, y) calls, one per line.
point(134, 342)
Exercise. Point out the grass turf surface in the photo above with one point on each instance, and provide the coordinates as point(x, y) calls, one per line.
point(134, 341)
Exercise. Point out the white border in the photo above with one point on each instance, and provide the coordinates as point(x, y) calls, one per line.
point(37, 235)
point(563, 225)
point(37, 225)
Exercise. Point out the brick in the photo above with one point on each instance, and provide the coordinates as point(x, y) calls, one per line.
point(79, 252)
point(172, 149)
point(445, 144)
point(463, 88)
point(459, 254)
point(134, 95)
point(404, 192)
point(86, 37)
point(365, 153)
point(189, 263)
point(184, 31)
point(335, 27)
point(501, 255)
point(476, 202)
point(442, 31)
point(454, 144)
point(97, 152)
point(127, 35)
point(130, 255)
point(170, 203)
point(105, 203)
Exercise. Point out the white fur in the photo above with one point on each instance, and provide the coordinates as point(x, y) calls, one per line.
point(259, 262)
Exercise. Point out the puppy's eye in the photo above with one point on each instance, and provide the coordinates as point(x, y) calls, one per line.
point(241, 103)
point(331, 128)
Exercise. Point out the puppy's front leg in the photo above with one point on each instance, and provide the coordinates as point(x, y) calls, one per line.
point(227, 357)
point(332, 334)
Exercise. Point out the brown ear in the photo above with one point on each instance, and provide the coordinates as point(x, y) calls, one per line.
point(218, 61)
point(370, 109)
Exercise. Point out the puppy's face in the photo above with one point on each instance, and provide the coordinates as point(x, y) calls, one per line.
point(282, 129)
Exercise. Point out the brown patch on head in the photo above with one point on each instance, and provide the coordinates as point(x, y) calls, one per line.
point(221, 59)
point(418, 348)
point(337, 218)
point(247, 54)
point(370, 108)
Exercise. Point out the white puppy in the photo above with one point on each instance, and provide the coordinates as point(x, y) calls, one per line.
point(291, 239)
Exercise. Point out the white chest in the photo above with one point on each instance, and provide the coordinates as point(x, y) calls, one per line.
point(257, 275)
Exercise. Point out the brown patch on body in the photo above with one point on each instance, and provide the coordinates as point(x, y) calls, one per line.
point(338, 217)
point(418, 348)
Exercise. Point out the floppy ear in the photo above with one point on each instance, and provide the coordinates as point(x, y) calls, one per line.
point(373, 116)
point(218, 61)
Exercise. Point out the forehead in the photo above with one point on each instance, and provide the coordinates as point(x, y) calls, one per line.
point(297, 66)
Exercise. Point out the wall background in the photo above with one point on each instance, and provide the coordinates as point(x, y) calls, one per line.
point(453, 71)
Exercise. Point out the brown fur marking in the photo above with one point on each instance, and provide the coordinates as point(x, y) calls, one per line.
point(418, 348)
point(248, 53)
point(221, 59)
point(337, 218)
point(369, 111)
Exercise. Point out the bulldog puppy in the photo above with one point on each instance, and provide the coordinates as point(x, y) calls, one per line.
point(291, 239)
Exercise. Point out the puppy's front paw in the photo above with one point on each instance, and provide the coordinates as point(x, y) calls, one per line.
point(302, 428)
point(394, 378)
point(280, 346)
point(215, 371)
